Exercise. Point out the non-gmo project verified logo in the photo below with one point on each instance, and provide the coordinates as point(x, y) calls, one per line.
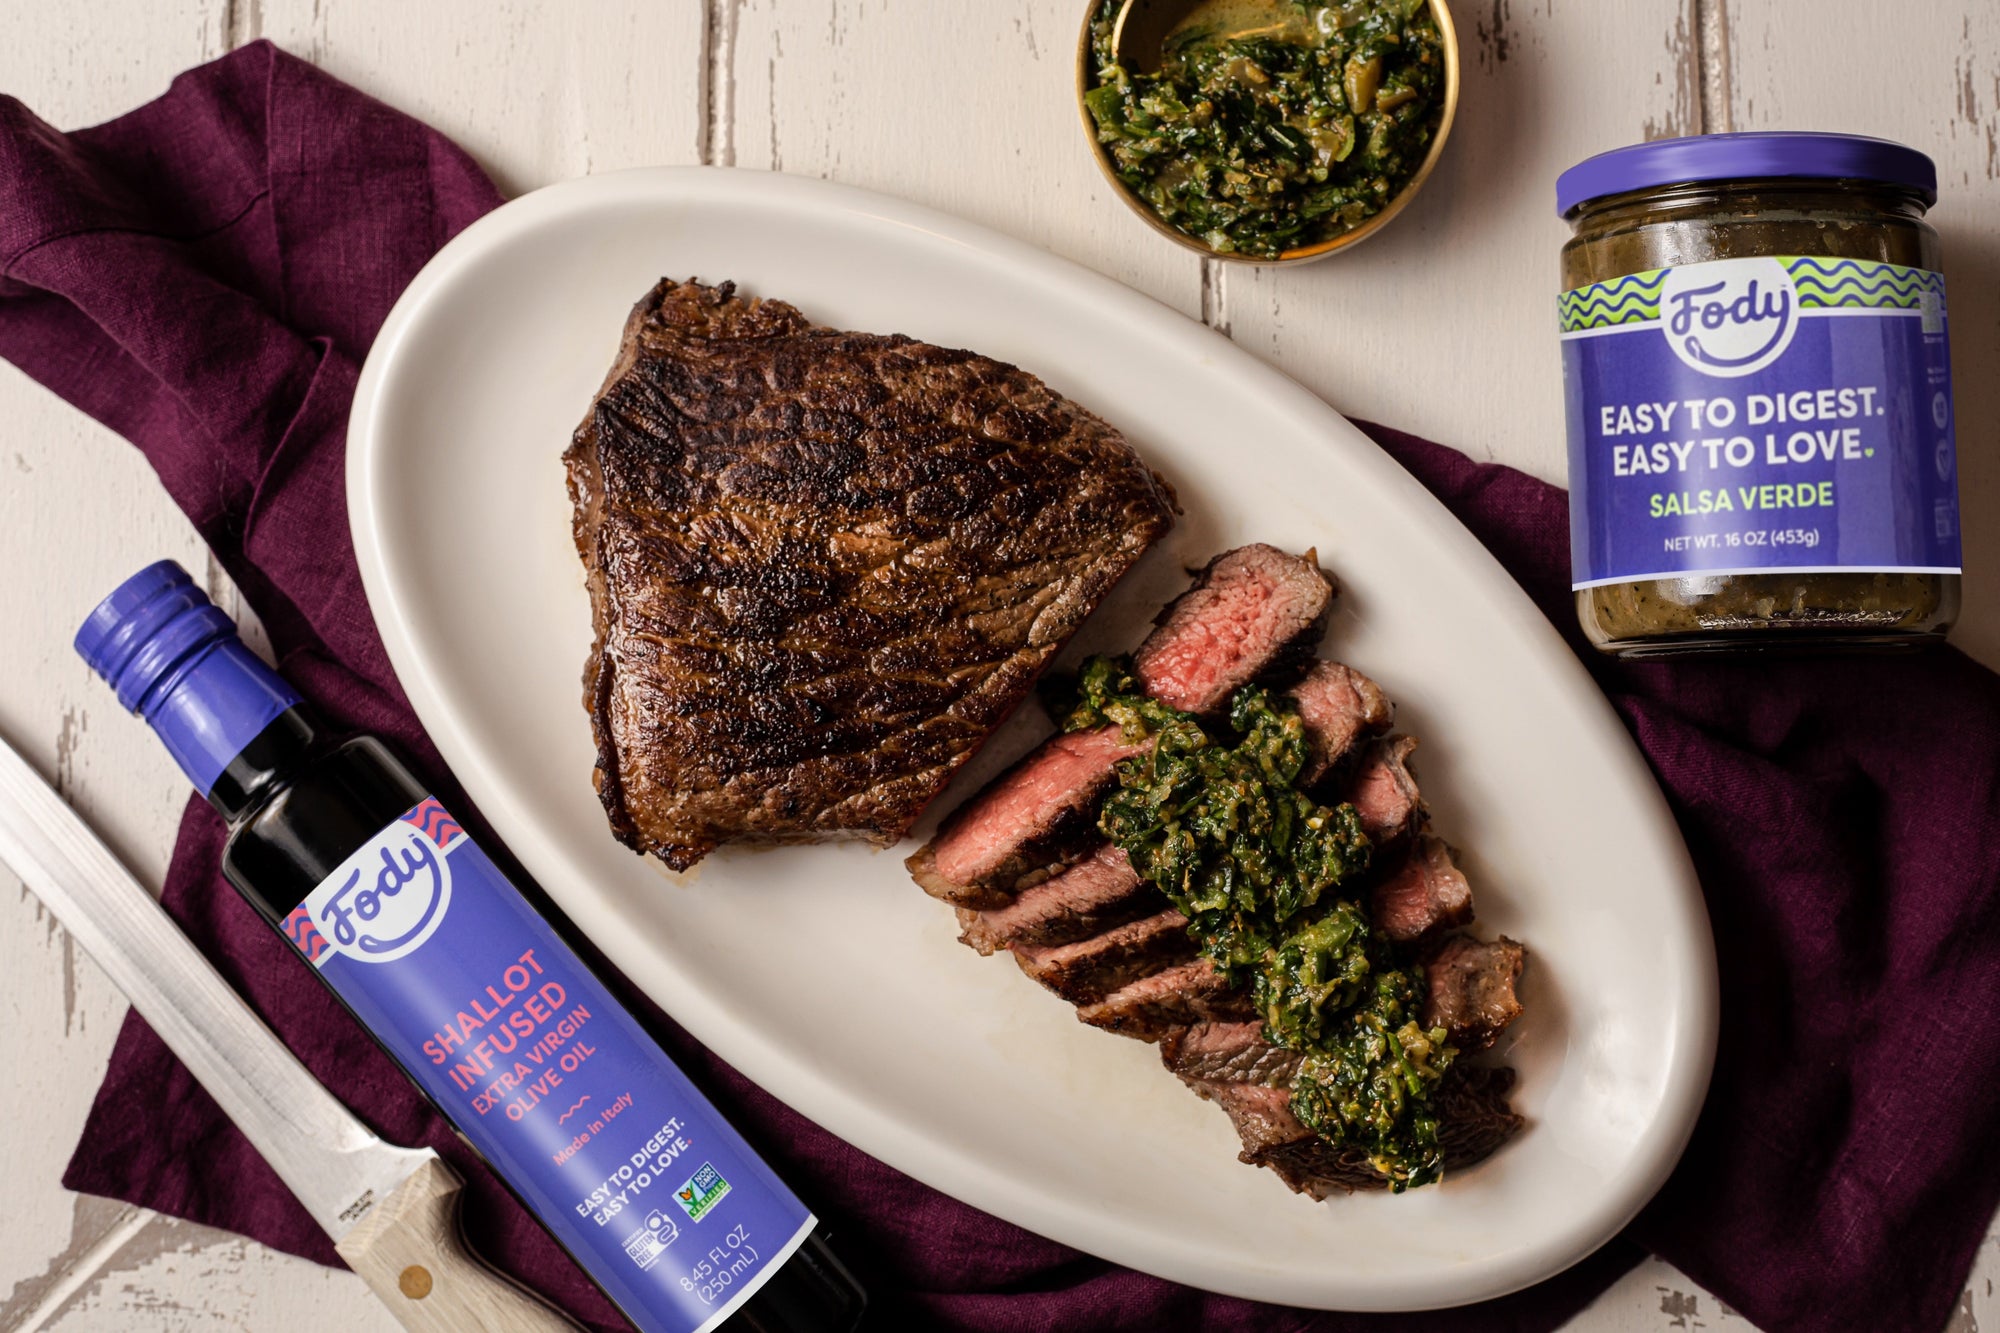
point(701, 1192)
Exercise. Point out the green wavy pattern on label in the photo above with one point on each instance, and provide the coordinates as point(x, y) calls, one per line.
point(1853, 284)
point(1822, 284)
point(1629, 300)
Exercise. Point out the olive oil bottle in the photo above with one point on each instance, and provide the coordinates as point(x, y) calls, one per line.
point(429, 945)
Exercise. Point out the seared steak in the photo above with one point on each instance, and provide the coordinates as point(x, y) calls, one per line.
point(823, 566)
point(1472, 989)
point(1089, 970)
point(1010, 835)
point(1384, 791)
point(1228, 1053)
point(1425, 893)
point(1032, 876)
point(1233, 1066)
point(1180, 996)
point(1473, 1120)
point(1340, 707)
point(1098, 892)
point(1243, 612)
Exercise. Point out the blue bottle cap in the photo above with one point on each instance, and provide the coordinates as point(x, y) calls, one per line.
point(174, 658)
point(1772, 154)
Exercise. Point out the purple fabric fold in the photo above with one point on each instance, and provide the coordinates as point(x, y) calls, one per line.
point(204, 276)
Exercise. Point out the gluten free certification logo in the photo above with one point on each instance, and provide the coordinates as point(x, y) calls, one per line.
point(700, 1192)
point(649, 1242)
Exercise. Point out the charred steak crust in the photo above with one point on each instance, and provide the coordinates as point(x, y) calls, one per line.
point(823, 566)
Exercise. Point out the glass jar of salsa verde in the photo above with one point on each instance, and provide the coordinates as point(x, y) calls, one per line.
point(1758, 387)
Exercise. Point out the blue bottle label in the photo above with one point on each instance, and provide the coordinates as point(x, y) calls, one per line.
point(1751, 415)
point(547, 1076)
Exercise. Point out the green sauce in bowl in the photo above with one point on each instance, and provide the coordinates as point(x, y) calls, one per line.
point(1262, 138)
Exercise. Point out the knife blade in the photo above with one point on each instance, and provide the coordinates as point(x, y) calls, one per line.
point(391, 1211)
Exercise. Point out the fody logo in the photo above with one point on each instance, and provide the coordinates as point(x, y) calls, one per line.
point(387, 898)
point(1729, 317)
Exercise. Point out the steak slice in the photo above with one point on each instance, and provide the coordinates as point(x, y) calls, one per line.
point(1249, 606)
point(1424, 894)
point(1384, 791)
point(1471, 987)
point(1180, 996)
point(1474, 1119)
point(1228, 1053)
point(1339, 707)
point(1089, 970)
point(1008, 836)
point(1243, 612)
point(1098, 892)
point(823, 566)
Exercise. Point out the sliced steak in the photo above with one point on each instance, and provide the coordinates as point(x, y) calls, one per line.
point(823, 566)
point(1089, 970)
point(1243, 612)
point(1098, 892)
point(1424, 894)
point(1473, 1120)
point(1471, 986)
point(1340, 707)
point(1010, 835)
point(1181, 996)
point(1261, 1112)
point(1273, 1137)
point(1384, 791)
point(1317, 1169)
point(1228, 1053)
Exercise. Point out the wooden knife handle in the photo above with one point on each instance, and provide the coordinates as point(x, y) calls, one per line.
point(410, 1251)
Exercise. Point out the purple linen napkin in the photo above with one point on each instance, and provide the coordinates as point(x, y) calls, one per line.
point(204, 276)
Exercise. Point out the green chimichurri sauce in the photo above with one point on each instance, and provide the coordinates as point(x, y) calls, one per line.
point(1218, 822)
point(1279, 137)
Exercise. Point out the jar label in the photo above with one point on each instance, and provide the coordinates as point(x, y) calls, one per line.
point(547, 1075)
point(1758, 414)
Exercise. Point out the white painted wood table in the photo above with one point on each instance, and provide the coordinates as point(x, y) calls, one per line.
point(1443, 326)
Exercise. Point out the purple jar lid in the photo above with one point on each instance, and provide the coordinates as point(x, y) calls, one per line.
point(1717, 157)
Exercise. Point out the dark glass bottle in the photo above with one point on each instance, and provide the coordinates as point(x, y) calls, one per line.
point(311, 819)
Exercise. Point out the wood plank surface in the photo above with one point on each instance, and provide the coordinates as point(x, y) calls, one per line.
point(60, 474)
point(968, 108)
point(1933, 83)
point(1443, 325)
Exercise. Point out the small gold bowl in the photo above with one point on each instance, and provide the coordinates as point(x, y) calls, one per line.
point(1305, 254)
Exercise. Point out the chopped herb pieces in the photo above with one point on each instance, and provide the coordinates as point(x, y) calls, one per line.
point(1260, 142)
point(1218, 823)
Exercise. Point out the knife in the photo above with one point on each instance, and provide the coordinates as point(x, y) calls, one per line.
point(392, 1212)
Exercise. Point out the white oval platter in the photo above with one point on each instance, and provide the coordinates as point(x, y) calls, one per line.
point(822, 972)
